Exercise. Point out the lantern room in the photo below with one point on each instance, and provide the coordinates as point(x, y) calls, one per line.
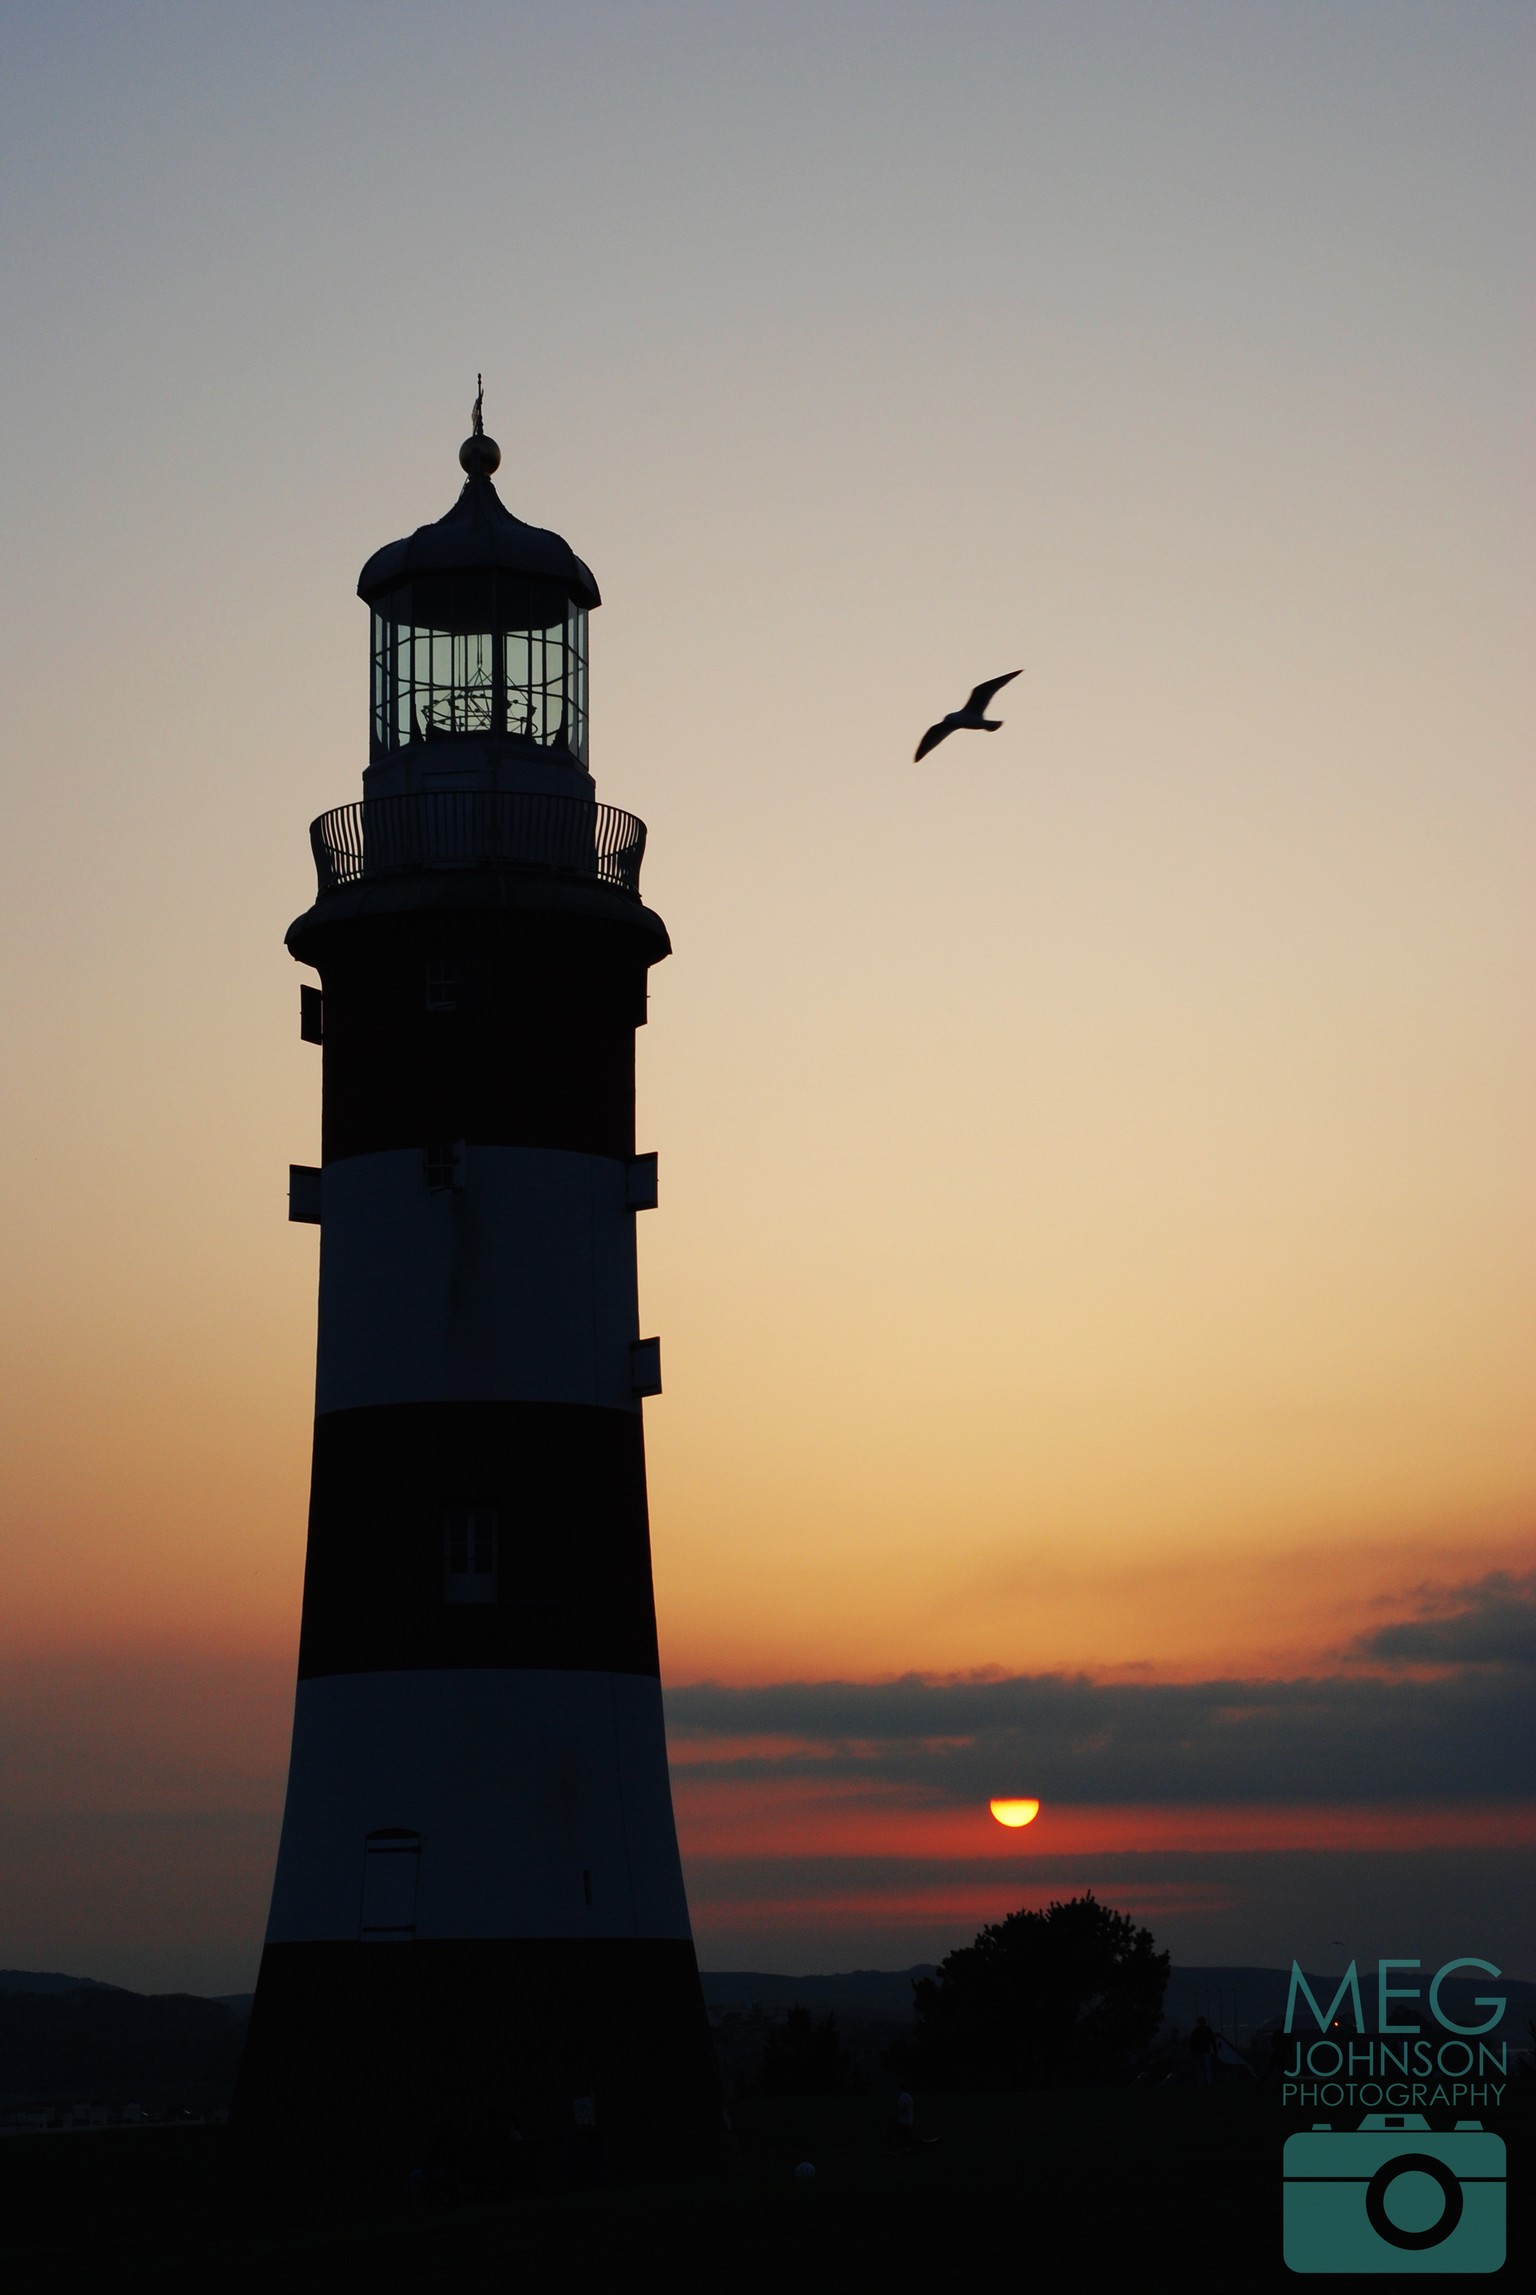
point(484, 656)
point(478, 648)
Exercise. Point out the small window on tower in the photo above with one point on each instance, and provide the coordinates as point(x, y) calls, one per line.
point(442, 988)
point(391, 1870)
point(444, 1166)
point(471, 1538)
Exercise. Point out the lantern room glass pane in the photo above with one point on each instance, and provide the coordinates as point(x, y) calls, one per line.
point(480, 656)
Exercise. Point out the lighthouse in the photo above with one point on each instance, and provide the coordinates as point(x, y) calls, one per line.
point(478, 1930)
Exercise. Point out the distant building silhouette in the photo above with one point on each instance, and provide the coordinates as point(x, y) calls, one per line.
point(478, 1916)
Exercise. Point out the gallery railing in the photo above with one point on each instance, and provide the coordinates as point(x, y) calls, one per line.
point(478, 828)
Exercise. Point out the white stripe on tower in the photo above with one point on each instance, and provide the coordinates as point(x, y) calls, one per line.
point(569, 1837)
point(490, 1274)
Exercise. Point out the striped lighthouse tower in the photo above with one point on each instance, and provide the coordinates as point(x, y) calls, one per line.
point(478, 1921)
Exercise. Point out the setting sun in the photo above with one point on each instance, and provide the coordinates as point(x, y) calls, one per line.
point(1015, 1812)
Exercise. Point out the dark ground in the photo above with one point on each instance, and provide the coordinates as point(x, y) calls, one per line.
point(1123, 2188)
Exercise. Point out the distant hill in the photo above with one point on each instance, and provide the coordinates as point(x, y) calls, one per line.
point(93, 2043)
point(1240, 2001)
point(47, 1980)
point(72, 2039)
point(873, 2007)
point(884, 1994)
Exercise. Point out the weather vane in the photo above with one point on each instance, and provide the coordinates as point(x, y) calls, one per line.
point(479, 416)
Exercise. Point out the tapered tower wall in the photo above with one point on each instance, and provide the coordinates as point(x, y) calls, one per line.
point(478, 1921)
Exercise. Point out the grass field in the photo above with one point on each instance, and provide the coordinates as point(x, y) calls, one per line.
point(1121, 2188)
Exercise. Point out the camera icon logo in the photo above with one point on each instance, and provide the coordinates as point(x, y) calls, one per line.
point(1394, 2196)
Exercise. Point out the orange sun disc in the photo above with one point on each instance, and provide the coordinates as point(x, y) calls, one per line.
point(1015, 1812)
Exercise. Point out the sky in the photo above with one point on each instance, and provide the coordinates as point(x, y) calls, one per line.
point(1096, 1253)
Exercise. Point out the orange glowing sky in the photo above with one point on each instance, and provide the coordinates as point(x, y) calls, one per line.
point(1096, 1226)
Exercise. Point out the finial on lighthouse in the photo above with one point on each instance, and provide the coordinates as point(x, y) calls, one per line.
point(479, 456)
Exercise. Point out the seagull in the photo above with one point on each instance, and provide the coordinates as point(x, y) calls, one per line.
point(971, 719)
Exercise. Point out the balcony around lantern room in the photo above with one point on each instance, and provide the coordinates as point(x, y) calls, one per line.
point(524, 831)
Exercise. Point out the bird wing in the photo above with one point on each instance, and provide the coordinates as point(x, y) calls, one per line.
point(981, 695)
point(931, 739)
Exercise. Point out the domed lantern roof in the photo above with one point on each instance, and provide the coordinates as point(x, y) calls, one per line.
point(479, 643)
point(479, 534)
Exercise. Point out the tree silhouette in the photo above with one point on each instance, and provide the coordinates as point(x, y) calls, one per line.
point(806, 2058)
point(1041, 1999)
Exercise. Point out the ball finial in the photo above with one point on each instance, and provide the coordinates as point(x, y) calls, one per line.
point(479, 456)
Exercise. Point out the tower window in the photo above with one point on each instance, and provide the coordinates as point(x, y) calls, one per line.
point(444, 1166)
point(471, 1538)
point(442, 988)
point(391, 1870)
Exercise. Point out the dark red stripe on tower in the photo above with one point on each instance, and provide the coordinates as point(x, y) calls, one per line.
point(552, 1494)
point(510, 1027)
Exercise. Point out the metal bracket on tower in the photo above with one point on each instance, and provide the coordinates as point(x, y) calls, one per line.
point(304, 1193)
point(640, 1182)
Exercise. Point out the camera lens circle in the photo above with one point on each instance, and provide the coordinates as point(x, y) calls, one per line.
point(1412, 2163)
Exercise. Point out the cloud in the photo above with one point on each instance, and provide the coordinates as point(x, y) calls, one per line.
point(1489, 1622)
point(1408, 1798)
point(1337, 1738)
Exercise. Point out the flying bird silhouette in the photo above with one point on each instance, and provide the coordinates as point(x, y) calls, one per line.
point(971, 719)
